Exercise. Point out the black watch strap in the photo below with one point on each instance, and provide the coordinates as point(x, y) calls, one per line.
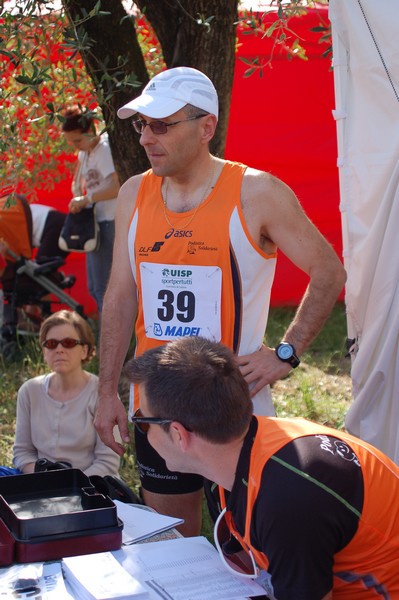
point(287, 353)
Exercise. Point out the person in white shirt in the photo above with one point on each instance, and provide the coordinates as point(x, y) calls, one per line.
point(95, 181)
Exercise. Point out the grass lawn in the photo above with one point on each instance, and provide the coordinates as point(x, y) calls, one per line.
point(319, 389)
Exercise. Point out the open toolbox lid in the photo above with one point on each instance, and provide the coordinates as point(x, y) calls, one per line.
point(54, 503)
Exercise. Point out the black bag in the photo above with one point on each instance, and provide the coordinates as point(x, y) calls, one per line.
point(114, 488)
point(110, 486)
point(80, 232)
point(44, 464)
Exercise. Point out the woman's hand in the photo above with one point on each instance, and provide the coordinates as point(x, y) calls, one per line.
point(78, 203)
point(3, 247)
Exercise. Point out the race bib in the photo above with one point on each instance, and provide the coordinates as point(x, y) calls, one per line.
point(181, 301)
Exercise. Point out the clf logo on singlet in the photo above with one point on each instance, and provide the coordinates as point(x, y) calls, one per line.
point(156, 247)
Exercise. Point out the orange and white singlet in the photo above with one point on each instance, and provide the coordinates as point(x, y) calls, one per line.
point(203, 276)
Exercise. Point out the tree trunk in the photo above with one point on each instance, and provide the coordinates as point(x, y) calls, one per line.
point(111, 36)
point(211, 49)
point(185, 40)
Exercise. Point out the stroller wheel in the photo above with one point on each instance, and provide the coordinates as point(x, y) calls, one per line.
point(67, 282)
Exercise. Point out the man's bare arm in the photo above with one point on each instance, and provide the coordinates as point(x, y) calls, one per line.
point(276, 219)
point(117, 323)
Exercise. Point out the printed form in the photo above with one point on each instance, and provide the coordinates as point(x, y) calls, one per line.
point(185, 569)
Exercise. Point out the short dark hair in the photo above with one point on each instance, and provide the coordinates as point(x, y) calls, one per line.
point(193, 111)
point(198, 383)
point(75, 118)
point(70, 317)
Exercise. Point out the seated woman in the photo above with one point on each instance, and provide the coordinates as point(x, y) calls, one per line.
point(55, 411)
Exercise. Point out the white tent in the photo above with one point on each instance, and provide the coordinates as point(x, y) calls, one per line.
point(366, 77)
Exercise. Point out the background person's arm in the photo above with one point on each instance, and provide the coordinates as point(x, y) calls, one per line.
point(105, 461)
point(108, 190)
point(117, 324)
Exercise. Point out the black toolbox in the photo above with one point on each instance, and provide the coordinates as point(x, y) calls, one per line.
point(53, 514)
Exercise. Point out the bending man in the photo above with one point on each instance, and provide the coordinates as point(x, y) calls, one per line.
point(315, 507)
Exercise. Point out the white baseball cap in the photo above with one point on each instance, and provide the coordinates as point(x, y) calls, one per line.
point(170, 91)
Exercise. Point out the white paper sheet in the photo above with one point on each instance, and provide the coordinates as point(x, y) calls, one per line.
point(139, 523)
point(184, 569)
point(100, 577)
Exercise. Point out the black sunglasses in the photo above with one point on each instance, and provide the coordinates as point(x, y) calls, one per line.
point(52, 344)
point(240, 561)
point(143, 423)
point(160, 127)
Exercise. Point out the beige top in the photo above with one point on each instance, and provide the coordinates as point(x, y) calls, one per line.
point(61, 431)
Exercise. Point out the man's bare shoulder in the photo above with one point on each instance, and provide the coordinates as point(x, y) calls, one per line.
point(268, 205)
point(128, 193)
point(261, 190)
point(131, 186)
point(256, 181)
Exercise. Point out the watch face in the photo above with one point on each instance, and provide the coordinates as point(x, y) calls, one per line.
point(285, 351)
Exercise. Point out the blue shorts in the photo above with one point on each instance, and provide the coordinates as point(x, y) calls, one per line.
point(98, 263)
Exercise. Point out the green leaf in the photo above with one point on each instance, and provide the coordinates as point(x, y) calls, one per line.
point(269, 30)
point(249, 72)
point(24, 79)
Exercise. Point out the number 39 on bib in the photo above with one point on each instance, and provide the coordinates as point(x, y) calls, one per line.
point(181, 301)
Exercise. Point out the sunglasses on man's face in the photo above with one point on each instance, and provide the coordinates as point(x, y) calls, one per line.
point(159, 127)
point(240, 562)
point(143, 423)
point(52, 344)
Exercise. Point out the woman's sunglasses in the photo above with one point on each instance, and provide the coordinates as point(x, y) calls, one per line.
point(241, 562)
point(52, 344)
point(143, 423)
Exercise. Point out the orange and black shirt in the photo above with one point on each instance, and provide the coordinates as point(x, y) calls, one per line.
point(319, 509)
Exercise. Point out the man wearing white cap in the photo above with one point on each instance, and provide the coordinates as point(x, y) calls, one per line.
point(195, 253)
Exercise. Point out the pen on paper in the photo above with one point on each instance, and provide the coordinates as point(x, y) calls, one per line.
point(162, 593)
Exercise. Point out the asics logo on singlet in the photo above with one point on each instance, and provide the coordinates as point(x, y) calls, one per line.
point(178, 233)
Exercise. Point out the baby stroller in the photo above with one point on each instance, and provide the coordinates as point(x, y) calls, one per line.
point(25, 281)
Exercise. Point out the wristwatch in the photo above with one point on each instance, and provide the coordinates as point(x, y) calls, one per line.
point(286, 353)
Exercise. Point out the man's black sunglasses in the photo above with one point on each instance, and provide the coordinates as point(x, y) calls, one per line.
point(160, 127)
point(143, 423)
